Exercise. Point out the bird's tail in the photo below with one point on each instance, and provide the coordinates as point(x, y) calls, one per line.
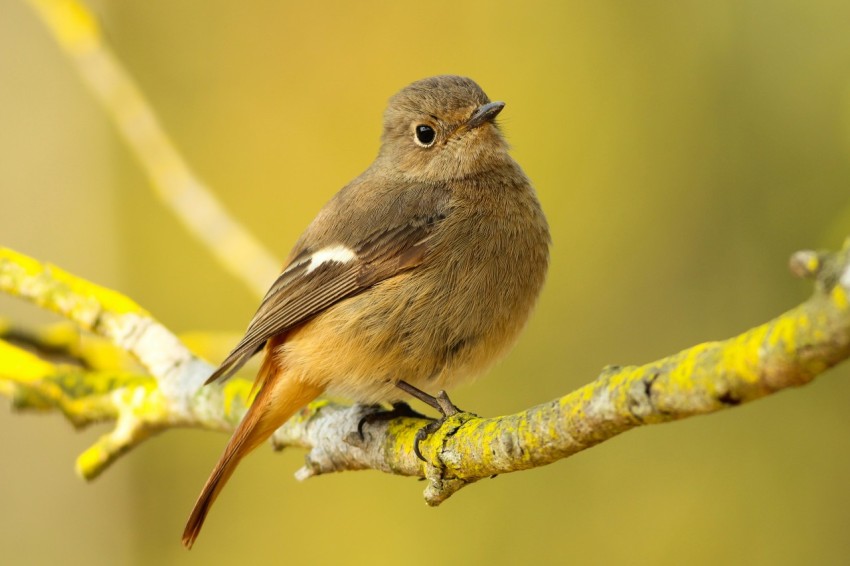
point(278, 399)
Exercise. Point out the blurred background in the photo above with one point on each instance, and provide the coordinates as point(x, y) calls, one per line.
point(682, 151)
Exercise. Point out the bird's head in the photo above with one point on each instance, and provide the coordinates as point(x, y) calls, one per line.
point(442, 128)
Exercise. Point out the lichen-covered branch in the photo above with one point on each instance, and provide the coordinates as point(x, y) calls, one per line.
point(176, 185)
point(84, 397)
point(108, 314)
point(787, 351)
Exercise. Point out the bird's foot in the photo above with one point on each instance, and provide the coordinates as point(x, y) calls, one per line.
point(441, 403)
point(447, 409)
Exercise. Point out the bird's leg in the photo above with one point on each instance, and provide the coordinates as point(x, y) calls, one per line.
point(441, 403)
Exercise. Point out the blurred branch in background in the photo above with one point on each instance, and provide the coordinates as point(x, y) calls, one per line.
point(788, 351)
point(78, 34)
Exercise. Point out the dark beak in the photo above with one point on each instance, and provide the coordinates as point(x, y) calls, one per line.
point(484, 113)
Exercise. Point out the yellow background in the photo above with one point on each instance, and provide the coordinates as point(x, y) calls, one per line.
point(682, 151)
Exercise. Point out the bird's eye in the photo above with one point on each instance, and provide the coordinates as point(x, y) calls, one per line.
point(424, 135)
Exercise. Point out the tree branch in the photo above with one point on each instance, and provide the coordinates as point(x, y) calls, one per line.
point(787, 351)
point(108, 314)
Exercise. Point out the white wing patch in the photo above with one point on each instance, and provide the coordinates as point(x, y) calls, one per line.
point(336, 254)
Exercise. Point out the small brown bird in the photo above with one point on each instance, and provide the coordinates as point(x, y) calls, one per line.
point(416, 276)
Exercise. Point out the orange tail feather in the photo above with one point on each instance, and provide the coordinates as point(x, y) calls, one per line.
point(278, 399)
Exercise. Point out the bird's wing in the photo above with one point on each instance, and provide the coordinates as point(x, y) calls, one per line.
point(317, 278)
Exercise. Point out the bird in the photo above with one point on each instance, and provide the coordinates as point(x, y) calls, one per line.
point(415, 277)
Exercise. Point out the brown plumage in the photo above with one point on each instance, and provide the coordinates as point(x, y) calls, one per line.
point(423, 269)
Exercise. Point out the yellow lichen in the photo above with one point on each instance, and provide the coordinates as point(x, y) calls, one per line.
point(110, 301)
point(681, 375)
point(812, 263)
point(839, 298)
point(21, 366)
point(742, 357)
point(60, 291)
point(784, 331)
point(90, 460)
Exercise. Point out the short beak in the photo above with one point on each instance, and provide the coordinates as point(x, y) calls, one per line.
point(484, 113)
